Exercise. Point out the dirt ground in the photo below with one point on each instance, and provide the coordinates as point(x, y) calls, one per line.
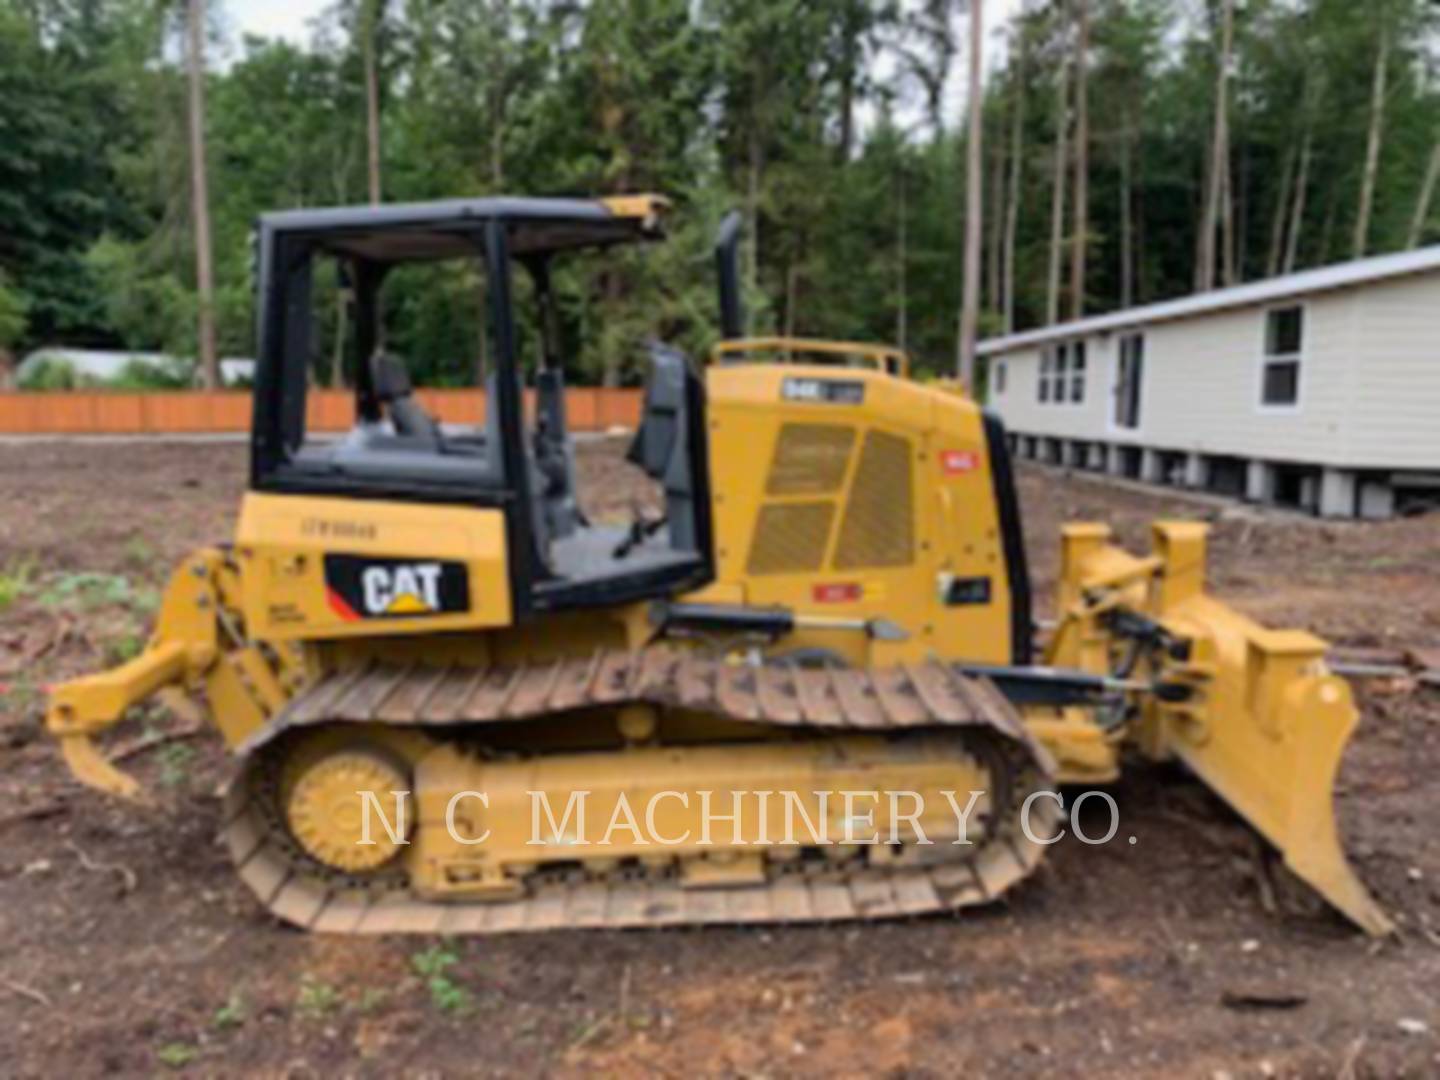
point(129, 948)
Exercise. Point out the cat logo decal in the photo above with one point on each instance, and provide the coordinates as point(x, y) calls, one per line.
point(358, 587)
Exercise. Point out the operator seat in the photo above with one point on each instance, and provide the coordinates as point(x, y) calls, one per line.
point(394, 390)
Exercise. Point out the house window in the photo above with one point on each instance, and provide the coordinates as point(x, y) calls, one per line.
point(1062, 369)
point(1284, 339)
point(1127, 385)
point(1000, 377)
point(1077, 372)
point(1042, 388)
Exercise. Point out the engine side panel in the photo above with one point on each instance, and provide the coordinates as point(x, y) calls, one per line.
point(847, 492)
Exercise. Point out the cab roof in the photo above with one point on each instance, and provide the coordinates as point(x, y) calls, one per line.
point(405, 232)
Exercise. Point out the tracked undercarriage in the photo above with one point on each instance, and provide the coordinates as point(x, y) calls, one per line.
point(435, 732)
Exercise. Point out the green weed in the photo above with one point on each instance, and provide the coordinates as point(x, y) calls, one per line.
point(87, 589)
point(177, 1055)
point(175, 763)
point(15, 582)
point(316, 998)
point(232, 1014)
point(125, 647)
point(433, 965)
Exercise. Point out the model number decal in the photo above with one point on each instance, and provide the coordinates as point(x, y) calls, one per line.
point(823, 391)
point(361, 587)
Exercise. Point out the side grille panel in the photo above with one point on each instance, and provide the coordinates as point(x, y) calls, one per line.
point(879, 525)
point(790, 538)
point(810, 459)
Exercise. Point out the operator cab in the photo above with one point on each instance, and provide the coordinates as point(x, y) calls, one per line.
point(518, 456)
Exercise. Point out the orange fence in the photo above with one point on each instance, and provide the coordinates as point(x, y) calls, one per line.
point(101, 412)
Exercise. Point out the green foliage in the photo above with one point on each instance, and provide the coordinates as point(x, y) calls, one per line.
point(433, 965)
point(88, 590)
point(316, 998)
point(825, 120)
point(15, 581)
point(232, 1014)
point(175, 759)
point(14, 314)
point(177, 1055)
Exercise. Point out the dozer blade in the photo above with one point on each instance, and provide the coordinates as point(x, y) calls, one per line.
point(1253, 712)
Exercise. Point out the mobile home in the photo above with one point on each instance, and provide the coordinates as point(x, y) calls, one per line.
point(1319, 389)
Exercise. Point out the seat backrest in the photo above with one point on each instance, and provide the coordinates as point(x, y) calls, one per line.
point(660, 446)
point(395, 391)
point(554, 454)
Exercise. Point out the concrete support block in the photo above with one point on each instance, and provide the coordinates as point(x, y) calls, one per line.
point(1310, 492)
point(1337, 493)
point(1260, 481)
point(1115, 461)
point(1377, 500)
point(1152, 466)
point(1196, 471)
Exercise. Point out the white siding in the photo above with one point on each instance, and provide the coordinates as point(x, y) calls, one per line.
point(1395, 395)
point(1369, 383)
point(1023, 411)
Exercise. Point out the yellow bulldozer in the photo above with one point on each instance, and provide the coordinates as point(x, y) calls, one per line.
point(808, 688)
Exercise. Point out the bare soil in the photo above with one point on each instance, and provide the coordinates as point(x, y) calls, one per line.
point(129, 948)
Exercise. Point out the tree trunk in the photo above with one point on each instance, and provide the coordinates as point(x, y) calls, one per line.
point(1012, 202)
point(1372, 147)
point(970, 297)
point(7, 369)
point(1057, 196)
point(1277, 217)
point(1230, 222)
point(752, 210)
point(370, 17)
point(1327, 226)
point(498, 98)
point(902, 312)
point(1082, 161)
point(792, 294)
point(1422, 203)
point(200, 197)
point(1127, 224)
point(1297, 207)
point(995, 227)
point(1219, 167)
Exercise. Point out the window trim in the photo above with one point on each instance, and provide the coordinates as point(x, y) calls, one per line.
point(1056, 372)
point(1299, 358)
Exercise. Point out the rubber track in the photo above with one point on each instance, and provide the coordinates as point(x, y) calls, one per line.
point(927, 695)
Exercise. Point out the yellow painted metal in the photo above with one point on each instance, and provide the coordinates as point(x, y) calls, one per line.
point(872, 536)
point(654, 803)
point(283, 541)
point(182, 648)
point(648, 208)
point(884, 358)
point(1263, 721)
point(862, 505)
point(326, 809)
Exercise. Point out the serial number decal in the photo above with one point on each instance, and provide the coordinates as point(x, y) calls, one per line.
point(958, 462)
point(337, 529)
point(837, 592)
point(364, 587)
point(824, 391)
